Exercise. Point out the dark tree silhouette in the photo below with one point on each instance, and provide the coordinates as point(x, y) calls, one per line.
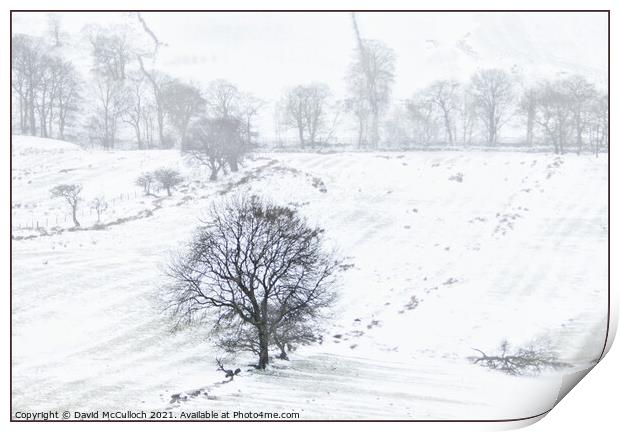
point(253, 267)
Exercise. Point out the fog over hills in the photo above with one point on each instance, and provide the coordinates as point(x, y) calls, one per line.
point(285, 49)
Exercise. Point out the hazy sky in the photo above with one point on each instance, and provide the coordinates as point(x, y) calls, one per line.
point(265, 52)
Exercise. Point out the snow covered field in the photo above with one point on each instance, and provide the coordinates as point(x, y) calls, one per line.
point(447, 251)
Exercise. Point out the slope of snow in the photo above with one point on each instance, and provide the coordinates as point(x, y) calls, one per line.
point(517, 250)
point(25, 144)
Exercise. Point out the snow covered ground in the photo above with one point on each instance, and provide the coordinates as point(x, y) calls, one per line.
point(449, 252)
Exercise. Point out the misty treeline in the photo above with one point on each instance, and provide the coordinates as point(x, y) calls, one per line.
point(568, 113)
point(118, 98)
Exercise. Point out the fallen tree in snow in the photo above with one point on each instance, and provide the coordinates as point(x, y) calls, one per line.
point(532, 359)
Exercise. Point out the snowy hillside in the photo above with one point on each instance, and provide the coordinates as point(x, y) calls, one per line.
point(446, 253)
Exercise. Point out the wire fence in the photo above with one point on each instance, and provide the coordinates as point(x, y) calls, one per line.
point(86, 214)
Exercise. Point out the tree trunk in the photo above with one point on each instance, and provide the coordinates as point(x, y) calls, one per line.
point(282, 355)
point(375, 129)
point(360, 134)
point(33, 125)
point(530, 127)
point(213, 176)
point(160, 127)
point(263, 342)
point(73, 213)
point(234, 165)
point(300, 130)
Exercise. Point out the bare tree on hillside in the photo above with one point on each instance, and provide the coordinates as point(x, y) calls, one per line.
point(71, 194)
point(167, 178)
point(100, 205)
point(251, 265)
point(146, 182)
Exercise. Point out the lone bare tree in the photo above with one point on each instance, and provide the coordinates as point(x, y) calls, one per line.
point(71, 194)
point(252, 267)
point(492, 90)
point(100, 205)
point(167, 179)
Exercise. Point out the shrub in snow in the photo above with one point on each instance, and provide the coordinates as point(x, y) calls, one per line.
point(100, 205)
point(167, 179)
point(458, 177)
point(146, 181)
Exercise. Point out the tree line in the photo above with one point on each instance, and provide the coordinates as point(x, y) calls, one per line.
point(565, 113)
point(124, 98)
